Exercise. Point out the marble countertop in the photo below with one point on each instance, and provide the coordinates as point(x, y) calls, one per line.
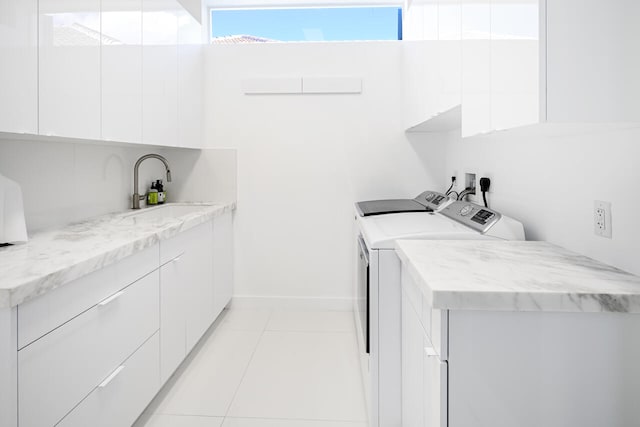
point(54, 257)
point(516, 276)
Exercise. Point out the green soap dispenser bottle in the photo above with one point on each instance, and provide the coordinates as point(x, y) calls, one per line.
point(152, 196)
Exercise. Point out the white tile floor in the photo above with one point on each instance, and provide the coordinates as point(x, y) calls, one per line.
point(262, 368)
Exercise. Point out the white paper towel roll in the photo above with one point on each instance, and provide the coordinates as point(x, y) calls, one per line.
point(12, 225)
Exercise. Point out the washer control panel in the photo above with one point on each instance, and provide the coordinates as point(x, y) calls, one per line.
point(431, 199)
point(472, 215)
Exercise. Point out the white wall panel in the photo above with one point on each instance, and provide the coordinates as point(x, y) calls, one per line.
point(304, 159)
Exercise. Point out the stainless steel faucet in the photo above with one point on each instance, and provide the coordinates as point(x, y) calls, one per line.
point(137, 197)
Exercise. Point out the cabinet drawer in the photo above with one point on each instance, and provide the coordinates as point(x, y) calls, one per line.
point(45, 313)
point(124, 394)
point(60, 369)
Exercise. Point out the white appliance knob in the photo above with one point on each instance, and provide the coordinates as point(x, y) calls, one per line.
point(466, 210)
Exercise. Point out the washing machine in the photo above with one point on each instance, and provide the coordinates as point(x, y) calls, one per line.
point(378, 295)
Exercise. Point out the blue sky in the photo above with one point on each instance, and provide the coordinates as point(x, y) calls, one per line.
point(330, 24)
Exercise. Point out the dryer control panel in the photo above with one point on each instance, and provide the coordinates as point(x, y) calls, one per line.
point(433, 200)
point(472, 215)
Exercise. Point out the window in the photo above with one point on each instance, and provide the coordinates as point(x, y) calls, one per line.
point(305, 24)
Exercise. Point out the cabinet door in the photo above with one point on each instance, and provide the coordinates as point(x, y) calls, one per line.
point(412, 367)
point(434, 387)
point(222, 261)
point(160, 72)
point(190, 81)
point(173, 312)
point(449, 55)
point(476, 67)
point(199, 274)
point(19, 70)
point(69, 68)
point(592, 61)
point(122, 70)
point(420, 20)
point(515, 64)
point(420, 33)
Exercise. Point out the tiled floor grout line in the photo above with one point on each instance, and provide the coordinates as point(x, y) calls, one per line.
point(235, 393)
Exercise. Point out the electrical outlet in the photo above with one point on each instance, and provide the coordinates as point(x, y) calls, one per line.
point(602, 218)
point(470, 182)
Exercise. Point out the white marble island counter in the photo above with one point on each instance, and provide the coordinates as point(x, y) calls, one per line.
point(516, 276)
point(55, 257)
point(512, 333)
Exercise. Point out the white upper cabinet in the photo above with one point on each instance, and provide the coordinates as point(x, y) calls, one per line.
point(449, 59)
point(19, 69)
point(190, 81)
point(476, 67)
point(432, 60)
point(122, 70)
point(69, 68)
point(592, 61)
point(421, 20)
point(531, 62)
point(160, 72)
point(102, 70)
point(515, 75)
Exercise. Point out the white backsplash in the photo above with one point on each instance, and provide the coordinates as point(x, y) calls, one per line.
point(63, 182)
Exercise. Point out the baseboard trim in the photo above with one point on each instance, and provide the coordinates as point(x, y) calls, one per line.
point(293, 303)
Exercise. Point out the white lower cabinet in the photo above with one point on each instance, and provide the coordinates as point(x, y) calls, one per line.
point(434, 387)
point(63, 367)
point(198, 260)
point(424, 374)
point(186, 293)
point(119, 399)
point(412, 378)
point(517, 368)
point(173, 330)
point(96, 351)
point(222, 262)
point(196, 283)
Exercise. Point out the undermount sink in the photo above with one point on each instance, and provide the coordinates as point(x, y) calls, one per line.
point(164, 212)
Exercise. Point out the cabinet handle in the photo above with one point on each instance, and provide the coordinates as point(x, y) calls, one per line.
point(430, 352)
point(176, 259)
point(110, 299)
point(110, 378)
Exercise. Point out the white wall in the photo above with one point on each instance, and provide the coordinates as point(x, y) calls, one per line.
point(550, 183)
point(304, 159)
point(63, 182)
